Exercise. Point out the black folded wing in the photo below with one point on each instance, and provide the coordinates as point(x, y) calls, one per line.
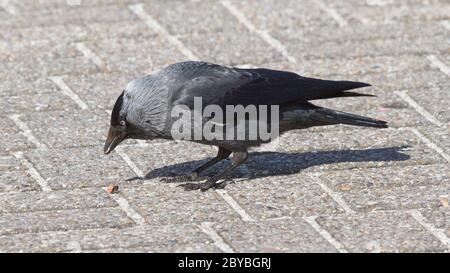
point(228, 86)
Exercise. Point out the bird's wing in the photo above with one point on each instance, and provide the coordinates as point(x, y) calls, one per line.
point(230, 86)
point(279, 87)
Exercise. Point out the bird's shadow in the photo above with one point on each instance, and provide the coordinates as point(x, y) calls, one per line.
point(263, 164)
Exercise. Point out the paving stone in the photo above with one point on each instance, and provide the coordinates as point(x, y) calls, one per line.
point(445, 58)
point(69, 129)
point(182, 238)
point(34, 103)
point(9, 163)
point(61, 220)
point(80, 168)
point(438, 217)
point(403, 11)
point(140, 54)
point(374, 47)
point(22, 85)
point(164, 203)
point(284, 235)
point(266, 14)
point(293, 195)
point(22, 50)
point(69, 15)
point(439, 136)
point(63, 35)
point(11, 139)
point(13, 176)
point(402, 198)
point(154, 238)
point(388, 179)
point(40, 52)
point(5, 14)
point(32, 71)
point(366, 32)
point(436, 101)
point(282, 163)
point(31, 5)
point(405, 80)
point(99, 90)
point(391, 188)
point(342, 67)
point(306, 40)
point(242, 49)
point(388, 3)
point(380, 232)
point(386, 43)
point(195, 248)
point(317, 26)
point(216, 27)
point(17, 181)
point(57, 200)
point(191, 17)
point(343, 138)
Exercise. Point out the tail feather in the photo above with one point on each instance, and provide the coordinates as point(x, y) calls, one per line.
point(315, 89)
point(347, 94)
point(330, 116)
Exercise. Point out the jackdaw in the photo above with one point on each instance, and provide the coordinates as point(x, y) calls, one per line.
point(144, 109)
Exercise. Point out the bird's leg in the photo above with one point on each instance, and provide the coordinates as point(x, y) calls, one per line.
point(238, 159)
point(221, 155)
point(194, 175)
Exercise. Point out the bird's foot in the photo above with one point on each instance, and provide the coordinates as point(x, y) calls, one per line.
point(208, 184)
point(182, 178)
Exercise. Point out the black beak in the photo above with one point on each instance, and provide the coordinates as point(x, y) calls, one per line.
point(115, 137)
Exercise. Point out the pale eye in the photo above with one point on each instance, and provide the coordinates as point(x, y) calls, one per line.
point(122, 123)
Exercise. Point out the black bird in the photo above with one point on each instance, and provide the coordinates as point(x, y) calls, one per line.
point(143, 110)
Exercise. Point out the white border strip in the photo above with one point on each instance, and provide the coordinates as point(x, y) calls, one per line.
point(327, 236)
point(438, 233)
point(138, 9)
point(8, 7)
point(439, 64)
point(333, 13)
point(429, 143)
point(261, 33)
point(418, 108)
point(126, 207)
point(129, 162)
point(89, 54)
point(233, 204)
point(33, 172)
point(446, 24)
point(334, 195)
point(68, 92)
point(26, 131)
point(74, 247)
point(218, 241)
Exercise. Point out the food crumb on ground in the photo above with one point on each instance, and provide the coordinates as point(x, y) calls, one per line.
point(112, 189)
point(444, 201)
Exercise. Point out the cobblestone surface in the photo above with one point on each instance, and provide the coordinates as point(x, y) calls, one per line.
point(328, 189)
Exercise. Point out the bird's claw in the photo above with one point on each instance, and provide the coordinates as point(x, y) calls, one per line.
point(203, 186)
point(182, 178)
point(193, 186)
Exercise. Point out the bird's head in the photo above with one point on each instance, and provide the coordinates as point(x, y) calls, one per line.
point(139, 113)
point(118, 128)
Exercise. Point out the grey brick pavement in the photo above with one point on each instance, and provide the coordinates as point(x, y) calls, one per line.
point(333, 189)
